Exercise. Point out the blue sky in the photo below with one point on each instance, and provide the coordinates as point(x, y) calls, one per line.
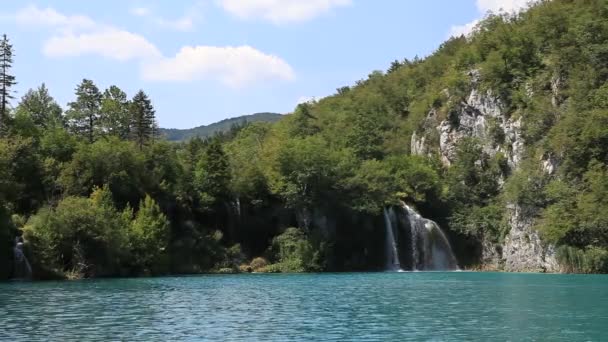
point(204, 60)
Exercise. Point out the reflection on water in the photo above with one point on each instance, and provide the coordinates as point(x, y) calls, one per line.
point(365, 306)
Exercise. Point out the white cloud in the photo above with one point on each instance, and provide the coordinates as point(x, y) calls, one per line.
point(459, 30)
point(184, 23)
point(233, 66)
point(77, 35)
point(110, 43)
point(35, 16)
point(280, 11)
point(140, 11)
point(494, 6)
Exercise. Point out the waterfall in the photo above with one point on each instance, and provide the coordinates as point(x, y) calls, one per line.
point(392, 252)
point(21, 266)
point(430, 248)
point(413, 221)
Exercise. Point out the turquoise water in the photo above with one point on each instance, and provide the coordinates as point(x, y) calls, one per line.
point(357, 306)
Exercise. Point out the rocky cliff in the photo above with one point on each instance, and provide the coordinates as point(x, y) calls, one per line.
point(482, 116)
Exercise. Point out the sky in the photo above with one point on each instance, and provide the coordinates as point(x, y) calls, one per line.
point(201, 61)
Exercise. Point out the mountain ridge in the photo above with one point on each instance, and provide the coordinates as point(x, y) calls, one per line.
point(204, 131)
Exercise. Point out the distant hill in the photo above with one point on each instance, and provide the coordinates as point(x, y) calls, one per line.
point(174, 134)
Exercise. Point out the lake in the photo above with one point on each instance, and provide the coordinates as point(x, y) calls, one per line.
point(352, 306)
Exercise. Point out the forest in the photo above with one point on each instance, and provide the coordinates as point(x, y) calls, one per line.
point(94, 190)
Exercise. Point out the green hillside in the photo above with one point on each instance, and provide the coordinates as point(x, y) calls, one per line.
point(174, 134)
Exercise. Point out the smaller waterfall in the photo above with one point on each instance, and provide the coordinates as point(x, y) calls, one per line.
point(392, 253)
point(430, 248)
point(21, 266)
point(414, 221)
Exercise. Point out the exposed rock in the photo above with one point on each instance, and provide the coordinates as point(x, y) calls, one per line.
point(317, 219)
point(523, 250)
point(483, 117)
point(556, 83)
point(549, 164)
point(491, 256)
point(419, 146)
point(420, 143)
point(486, 104)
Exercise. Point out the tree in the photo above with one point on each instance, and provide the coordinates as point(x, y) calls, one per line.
point(83, 114)
point(143, 122)
point(6, 79)
point(303, 122)
point(40, 106)
point(119, 164)
point(366, 136)
point(83, 236)
point(149, 237)
point(20, 175)
point(115, 115)
point(212, 174)
point(303, 172)
point(244, 152)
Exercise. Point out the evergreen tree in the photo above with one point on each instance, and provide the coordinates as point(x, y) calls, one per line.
point(395, 65)
point(6, 79)
point(115, 116)
point(41, 107)
point(143, 123)
point(83, 114)
point(212, 174)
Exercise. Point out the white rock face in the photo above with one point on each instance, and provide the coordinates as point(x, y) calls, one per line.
point(549, 165)
point(419, 143)
point(419, 146)
point(473, 120)
point(523, 250)
point(482, 112)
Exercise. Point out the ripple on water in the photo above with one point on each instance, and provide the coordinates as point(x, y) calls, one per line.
point(330, 307)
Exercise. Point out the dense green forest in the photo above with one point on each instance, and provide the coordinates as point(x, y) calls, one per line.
point(95, 191)
point(207, 131)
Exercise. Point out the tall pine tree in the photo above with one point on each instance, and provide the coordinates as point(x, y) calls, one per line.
point(143, 120)
point(84, 113)
point(6, 79)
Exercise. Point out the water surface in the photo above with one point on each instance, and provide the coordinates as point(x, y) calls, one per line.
point(356, 306)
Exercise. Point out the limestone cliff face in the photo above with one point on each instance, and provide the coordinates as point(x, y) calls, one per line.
point(523, 250)
point(482, 116)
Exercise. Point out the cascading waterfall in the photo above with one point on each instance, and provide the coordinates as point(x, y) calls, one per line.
point(412, 219)
point(392, 252)
point(21, 266)
point(430, 248)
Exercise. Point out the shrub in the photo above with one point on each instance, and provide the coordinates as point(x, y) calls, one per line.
point(590, 260)
point(258, 263)
point(245, 269)
point(149, 237)
point(81, 235)
point(294, 253)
